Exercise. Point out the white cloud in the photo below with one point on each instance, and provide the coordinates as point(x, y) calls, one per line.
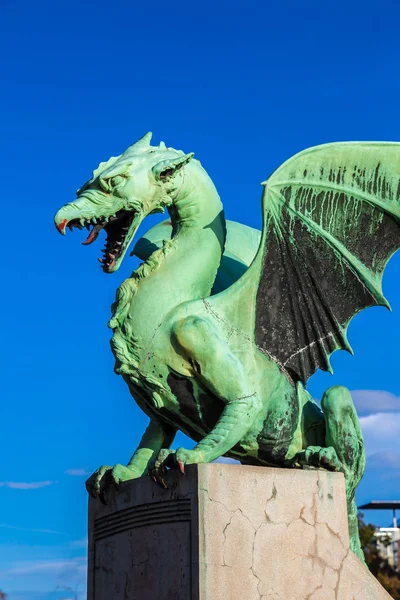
point(373, 401)
point(384, 460)
point(77, 472)
point(77, 565)
point(381, 432)
point(25, 485)
point(30, 530)
point(28, 571)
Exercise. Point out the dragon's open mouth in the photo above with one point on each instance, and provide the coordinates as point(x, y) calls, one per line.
point(117, 228)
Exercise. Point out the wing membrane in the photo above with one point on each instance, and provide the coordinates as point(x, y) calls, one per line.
point(331, 223)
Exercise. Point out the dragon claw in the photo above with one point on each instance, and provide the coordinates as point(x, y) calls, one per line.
point(106, 477)
point(157, 477)
point(162, 483)
point(318, 457)
point(169, 459)
point(164, 460)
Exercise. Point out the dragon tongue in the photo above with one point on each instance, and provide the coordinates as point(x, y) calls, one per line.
point(93, 235)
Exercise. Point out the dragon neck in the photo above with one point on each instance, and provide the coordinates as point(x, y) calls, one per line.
point(185, 267)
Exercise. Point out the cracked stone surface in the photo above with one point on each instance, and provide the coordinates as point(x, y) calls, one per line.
point(277, 534)
point(227, 532)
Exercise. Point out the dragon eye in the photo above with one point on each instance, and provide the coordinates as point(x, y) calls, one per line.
point(116, 181)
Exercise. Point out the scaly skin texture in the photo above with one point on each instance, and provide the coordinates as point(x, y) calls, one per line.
point(190, 358)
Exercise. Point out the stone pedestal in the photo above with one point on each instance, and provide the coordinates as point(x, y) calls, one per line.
point(227, 532)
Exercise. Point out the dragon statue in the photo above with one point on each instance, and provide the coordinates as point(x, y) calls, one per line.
point(219, 329)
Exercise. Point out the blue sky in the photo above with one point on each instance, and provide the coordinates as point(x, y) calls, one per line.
point(242, 84)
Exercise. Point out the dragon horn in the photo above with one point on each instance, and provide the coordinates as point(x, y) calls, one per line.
point(141, 145)
point(144, 142)
point(166, 168)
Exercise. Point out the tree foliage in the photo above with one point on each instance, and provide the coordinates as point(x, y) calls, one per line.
point(378, 565)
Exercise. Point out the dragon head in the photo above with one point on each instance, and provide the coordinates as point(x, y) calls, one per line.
point(121, 193)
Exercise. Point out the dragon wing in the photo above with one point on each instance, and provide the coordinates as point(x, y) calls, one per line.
point(331, 222)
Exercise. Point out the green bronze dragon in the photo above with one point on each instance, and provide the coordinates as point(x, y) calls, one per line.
point(219, 329)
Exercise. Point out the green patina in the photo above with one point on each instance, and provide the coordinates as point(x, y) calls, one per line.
point(217, 332)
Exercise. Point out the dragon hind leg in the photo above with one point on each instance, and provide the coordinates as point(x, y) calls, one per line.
point(344, 451)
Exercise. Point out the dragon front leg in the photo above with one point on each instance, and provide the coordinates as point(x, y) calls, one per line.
point(157, 436)
point(223, 374)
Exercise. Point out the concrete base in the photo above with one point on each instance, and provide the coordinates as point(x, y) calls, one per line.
point(227, 532)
